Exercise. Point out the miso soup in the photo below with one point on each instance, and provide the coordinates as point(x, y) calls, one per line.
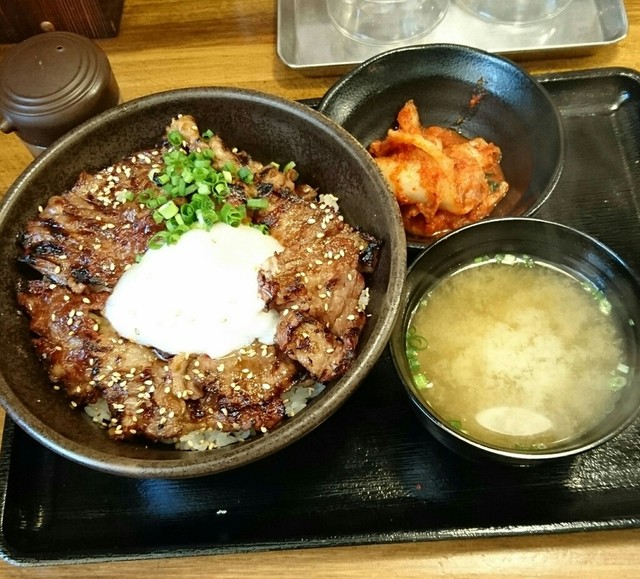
point(517, 353)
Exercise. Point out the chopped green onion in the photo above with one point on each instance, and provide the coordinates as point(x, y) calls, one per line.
point(175, 138)
point(261, 227)
point(245, 174)
point(232, 215)
point(421, 381)
point(414, 363)
point(158, 240)
point(202, 188)
point(145, 195)
point(257, 203)
point(290, 165)
point(416, 342)
point(617, 382)
point(168, 210)
point(124, 195)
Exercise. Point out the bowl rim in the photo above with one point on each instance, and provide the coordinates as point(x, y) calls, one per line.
point(440, 427)
point(233, 456)
point(368, 67)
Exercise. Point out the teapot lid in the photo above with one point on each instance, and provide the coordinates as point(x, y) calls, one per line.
point(50, 83)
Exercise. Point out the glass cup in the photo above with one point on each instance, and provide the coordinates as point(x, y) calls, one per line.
point(386, 21)
point(515, 11)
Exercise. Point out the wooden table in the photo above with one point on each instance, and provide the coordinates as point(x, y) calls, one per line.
point(166, 44)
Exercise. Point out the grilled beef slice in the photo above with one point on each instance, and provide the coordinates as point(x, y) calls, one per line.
point(316, 282)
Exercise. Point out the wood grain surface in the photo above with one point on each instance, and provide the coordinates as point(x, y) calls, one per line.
point(167, 44)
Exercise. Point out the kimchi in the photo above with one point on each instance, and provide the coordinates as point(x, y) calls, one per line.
point(441, 179)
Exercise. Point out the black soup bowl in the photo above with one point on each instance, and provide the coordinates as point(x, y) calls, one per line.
point(474, 92)
point(499, 343)
point(270, 129)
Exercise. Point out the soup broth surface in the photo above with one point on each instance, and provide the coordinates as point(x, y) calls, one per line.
point(517, 353)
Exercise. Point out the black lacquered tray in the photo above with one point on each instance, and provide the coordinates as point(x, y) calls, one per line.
point(371, 473)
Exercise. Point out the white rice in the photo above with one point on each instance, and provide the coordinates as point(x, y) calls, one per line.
point(208, 438)
point(363, 300)
point(329, 200)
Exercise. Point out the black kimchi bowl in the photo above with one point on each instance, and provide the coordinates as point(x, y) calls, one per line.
point(475, 94)
point(542, 359)
point(270, 129)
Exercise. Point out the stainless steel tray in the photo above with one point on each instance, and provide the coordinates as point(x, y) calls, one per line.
point(307, 39)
